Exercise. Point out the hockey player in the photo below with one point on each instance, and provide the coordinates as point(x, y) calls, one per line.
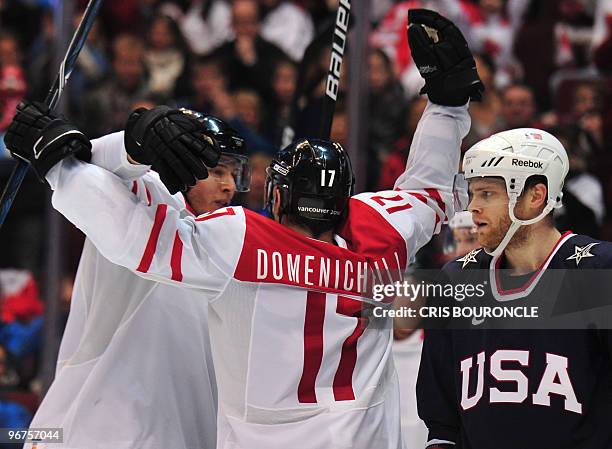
point(462, 236)
point(297, 362)
point(135, 369)
point(533, 388)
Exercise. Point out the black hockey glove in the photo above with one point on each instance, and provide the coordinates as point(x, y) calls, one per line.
point(173, 144)
point(443, 58)
point(43, 138)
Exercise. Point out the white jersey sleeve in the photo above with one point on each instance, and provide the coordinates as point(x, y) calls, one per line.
point(156, 241)
point(434, 153)
point(109, 153)
point(407, 217)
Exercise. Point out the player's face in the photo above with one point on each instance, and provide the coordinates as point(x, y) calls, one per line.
point(214, 192)
point(489, 208)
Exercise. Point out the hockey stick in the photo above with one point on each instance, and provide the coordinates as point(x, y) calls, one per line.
point(332, 84)
point(338, 31)
point(76, 44)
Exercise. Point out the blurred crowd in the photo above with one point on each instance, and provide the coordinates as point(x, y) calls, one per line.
point(545, 63)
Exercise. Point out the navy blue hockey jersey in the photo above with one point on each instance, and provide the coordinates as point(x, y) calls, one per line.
point(486, 388)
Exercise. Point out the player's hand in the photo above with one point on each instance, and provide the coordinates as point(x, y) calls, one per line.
point(43, 138)
point(443, 58)
point(173, 144)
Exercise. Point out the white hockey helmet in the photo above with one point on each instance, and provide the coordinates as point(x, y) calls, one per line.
point(460, 220)
point(515, 155)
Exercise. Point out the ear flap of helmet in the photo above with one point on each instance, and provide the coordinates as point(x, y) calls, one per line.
point(274, 179)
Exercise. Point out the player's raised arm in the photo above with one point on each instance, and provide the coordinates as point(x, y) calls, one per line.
point(444, 60)
point(151, 240)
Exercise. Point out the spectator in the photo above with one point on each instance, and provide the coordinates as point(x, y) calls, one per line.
point(22, 19)
point(92, 65)
point(339, 131)
point(387, 111)
point(492, 33)
point(287, 26)
point(536, 47)
point(602, 26)
point(209, 89)
point(247, 59)
point(583, 202)
point(518, 108)
point(284, 83)
point(205, 24)
point(106, 109)
point(13, 415)
point(125, 16)
point(247, 121)
point(40, 58)
point(21, 320)
point(10, 54)
point(395, 164)
point(9, 378)
point(485, 114)
point(243, 109)
point(166, 57)
point(602, 53)
point(12, 79)
point(587, 100)
point(249, 108)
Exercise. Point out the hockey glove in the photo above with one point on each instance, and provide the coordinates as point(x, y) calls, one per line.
point(443, 58)
point(173, 144)
point(43, 138)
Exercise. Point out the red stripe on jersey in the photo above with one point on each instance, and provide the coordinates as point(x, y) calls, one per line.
point(148, 195)
point(422, 198)
point(135, 188)
point(368, 232)
point(434, 194)
point(218, 213)
point(149, 252)
point(343, 380)
point(175, 259)
point(418, 196)
point(313, 346)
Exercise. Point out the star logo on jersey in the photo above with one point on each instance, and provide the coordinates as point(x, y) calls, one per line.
point(580, 252)
point(469, 257)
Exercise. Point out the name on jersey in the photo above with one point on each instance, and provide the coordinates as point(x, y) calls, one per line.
point(327, 273)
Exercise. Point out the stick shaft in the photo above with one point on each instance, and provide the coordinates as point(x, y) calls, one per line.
point(332, 82)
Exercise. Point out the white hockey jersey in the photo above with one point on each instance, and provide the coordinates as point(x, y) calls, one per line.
point(135, 368)
point(297, 363)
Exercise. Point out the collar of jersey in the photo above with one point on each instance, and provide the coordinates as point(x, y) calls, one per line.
point(188, 206)
point(502, 295)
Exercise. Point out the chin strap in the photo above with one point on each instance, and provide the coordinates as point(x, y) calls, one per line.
point(516, 224)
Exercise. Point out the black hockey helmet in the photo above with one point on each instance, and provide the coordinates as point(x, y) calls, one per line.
point(233, 147)
point(315, 179)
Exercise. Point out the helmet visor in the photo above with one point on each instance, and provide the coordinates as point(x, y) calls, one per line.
point(240, 170)
point(460, 193)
